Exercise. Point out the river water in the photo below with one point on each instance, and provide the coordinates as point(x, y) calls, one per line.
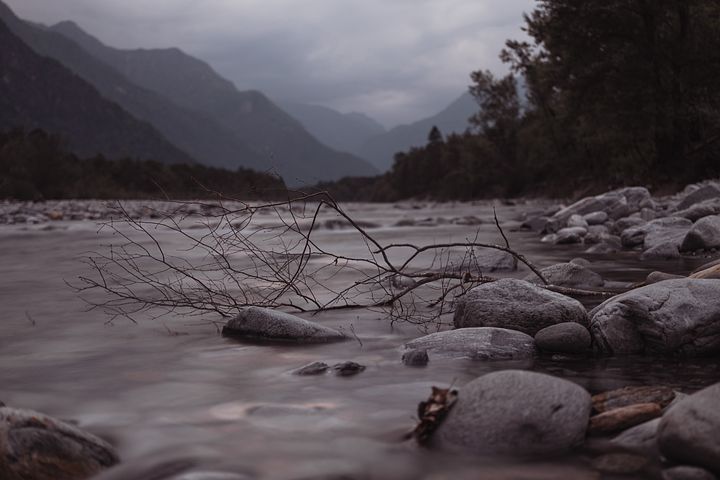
point(173, 394)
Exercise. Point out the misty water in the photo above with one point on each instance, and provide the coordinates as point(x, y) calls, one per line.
point(176, 391)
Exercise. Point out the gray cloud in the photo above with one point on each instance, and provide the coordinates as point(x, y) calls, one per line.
point(397, 60)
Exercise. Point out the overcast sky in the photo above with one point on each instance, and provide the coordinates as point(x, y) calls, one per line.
point(396, 60)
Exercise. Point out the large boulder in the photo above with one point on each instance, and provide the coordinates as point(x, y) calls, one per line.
point(264, 325)
point(671, 317)
point(656, 232)
point(34, 446)
point(706, 192)
point(518, 413)
point(700, 210)
point(569, 275)
point(688, 432)
point(517, 305)
point(482, 343)
point(703, 235)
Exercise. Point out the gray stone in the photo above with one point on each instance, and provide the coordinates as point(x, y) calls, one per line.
point(348, 369)
point(536, 224)
point(632, 237)
point(596, 218)
point(583, 262)
point(685, 472)
point(655, 277)
point(550, 238)
point(315, 368)
point(641, 438)
point(703, 235)
point(415, 358)
point(666, 230)
point(517, 413)
point(38, 447)
point(516, 305)
point(566, 337)
point(688, 432)
point(700, 210)
point(491, 260)
point(597, 234)
point(664, 251)
point(569, 275)
point(570, 235)
point(578, 221)
point(265, 325)
point(706, 192)
point(671, 317)
point(482, 343)
point(629, 222)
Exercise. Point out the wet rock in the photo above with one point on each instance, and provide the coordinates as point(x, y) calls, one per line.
point(688, 432)
point(416, 358)
point(315, 368)
point(666, 230)
point(535, 224)
point(566, 337)
point(517, 305)
point(670, 317)
point(517, 413)
point(618, 419)
point(551, 238)
point(703, 235)
point(623, 397)
point(664, 251)
point(687, 473)
point(348, 369)
point(700, 210)
point(570, 235)
point(37, 447)
point(706, 192)
point(596, 218)
point(577, 221)
point(482, 343)
point(640, 438)
point(620, 463)
point(569, 275)
point(265, 325)
point(655, 277)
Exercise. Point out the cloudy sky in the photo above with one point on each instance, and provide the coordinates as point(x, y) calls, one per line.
point(396, 60)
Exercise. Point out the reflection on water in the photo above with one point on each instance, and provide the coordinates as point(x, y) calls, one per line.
point(176, 396)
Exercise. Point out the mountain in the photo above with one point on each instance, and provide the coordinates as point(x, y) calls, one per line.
point(381, 149)
point(342, 131)
point(284, 144)
point(201, 138)
point(38, 92)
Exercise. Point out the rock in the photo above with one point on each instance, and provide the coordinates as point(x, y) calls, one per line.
point(583, 262)
point(265, 325)
point(569, 275)
point(655, 277)
point(609, 244)
point(664, 251)
point(688, 432)
point(708, 273)
point(665, 230)
point(700, 210)
point(622, 418)
point(703, 235)
point(620, 463)
point(570, 235)
point(596, 218)
point(629, 222)
point(702, 194)
point(34, 446)
point(469, 220)
point(596, 234)
point(687, 473)
point(640, 438)
point(705, 266)
point(566, 337)
point(491, 260)
point(535, 224)
point(517, 413)
point(416, 358)
point(347, 369)
point(551, 238)
point(623, 397)
point(670, 317)
point(632, 237)
point(481, 343)
point(578, 221)
point(315, 368)
point(516, 305)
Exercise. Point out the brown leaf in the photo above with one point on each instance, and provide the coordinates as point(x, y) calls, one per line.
point(432, 412)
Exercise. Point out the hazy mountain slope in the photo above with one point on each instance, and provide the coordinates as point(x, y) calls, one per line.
point(191, 83)
point(38, 92)
point(341, 131)
point(203, 139)
point(381, 149)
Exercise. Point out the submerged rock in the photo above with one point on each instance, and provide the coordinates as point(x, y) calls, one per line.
point(688, 432)
point(518, 413)
point(347, 369)
point(569, 337)
point(516, 305)
point(265, 325)
point(34, 446)
point(416, 358)
point(482, 343)
point(315, 368)
point(670, 317)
